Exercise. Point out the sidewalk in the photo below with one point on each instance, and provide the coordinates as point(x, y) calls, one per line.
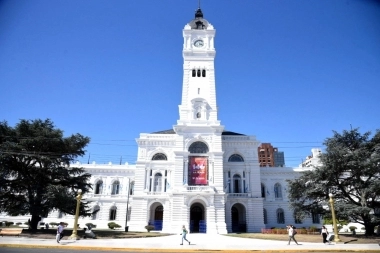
point(199, 242)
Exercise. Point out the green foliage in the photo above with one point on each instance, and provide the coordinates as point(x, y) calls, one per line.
point(36, 177)
point(90, 225)
point(313, 228)
point(113, 225)
point(9, 223)
point(54, 224)
point(18, 223)
point(352, 228)
point(149, 228)
point(350, 170)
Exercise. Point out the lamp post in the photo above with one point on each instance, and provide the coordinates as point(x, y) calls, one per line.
point(126, 217)
point(74, 235)
point(336, 238)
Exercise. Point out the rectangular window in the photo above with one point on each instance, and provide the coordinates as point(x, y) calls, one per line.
point(315, 217)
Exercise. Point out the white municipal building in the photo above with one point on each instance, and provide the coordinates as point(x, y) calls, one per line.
point(196, 174)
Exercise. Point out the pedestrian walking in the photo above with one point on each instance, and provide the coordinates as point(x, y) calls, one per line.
point(324, 234)
point(184, 233)
point(60, 229)
point(291, 232)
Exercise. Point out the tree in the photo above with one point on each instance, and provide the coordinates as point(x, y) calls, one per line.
point(350, 170)
point(35, 170)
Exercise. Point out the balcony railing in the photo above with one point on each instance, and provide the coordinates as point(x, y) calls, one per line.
point(238, 195)
point(156, 193)
point(199, 189)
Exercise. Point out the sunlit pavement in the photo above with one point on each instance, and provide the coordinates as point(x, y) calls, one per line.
point(199, 242)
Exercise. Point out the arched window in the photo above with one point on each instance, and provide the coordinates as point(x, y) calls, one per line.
point(203, 73)
point(263, 195)
point(194, 73)
point(95, 212)
point(198, 147)
point(277, 191)
point(159, 156)
point(99, 187)
point(199, 73)
point(60, 214)
point(237, 183)
point(265, 216)
point(157, 182)
point(113, 213)
point(280, 216)
point(115, 187)
point(297, 220)
point(236, 158)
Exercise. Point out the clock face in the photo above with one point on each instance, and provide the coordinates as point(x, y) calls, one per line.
point(199, 43)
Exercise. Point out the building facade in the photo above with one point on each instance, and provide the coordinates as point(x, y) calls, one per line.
point(196, 173)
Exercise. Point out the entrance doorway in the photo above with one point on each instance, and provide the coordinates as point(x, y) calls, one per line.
point(157, 215)
point(197, 219)
point(238, 218)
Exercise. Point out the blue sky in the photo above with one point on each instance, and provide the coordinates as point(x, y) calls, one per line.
point(288, 72)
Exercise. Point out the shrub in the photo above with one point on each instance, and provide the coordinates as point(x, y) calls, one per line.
point(149, 228)
point(352, 228)
point(53, 224)
point(313, 228)
point(113, 225)
point(18, 223)
point(363, 228)
point(8, 223)
point(90, 225)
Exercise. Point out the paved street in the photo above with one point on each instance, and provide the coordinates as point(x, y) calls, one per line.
point(199, 243)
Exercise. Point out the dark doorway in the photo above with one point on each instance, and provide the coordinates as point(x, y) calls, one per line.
point(197, 221)
point(238, 218)
point(158, 217)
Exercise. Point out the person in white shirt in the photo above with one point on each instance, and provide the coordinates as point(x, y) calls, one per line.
point(60, 229)
point(291, 232)
point(324, 234)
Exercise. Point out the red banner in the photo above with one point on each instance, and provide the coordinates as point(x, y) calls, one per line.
point(198, 168)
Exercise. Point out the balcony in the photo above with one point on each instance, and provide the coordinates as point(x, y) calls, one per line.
point(199, 189)
point(156, 193)
point(238, 195)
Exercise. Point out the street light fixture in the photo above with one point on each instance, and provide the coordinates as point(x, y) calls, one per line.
point(126, 217)
point(336, 238)
point(74, 235)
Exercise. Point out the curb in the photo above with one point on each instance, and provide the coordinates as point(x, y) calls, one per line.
point(171, 250)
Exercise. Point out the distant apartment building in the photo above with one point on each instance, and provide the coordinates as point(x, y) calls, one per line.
point(313, 159)
point(270, 156)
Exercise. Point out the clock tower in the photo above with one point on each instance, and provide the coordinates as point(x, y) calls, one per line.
point(198, 106)
point(198, 174)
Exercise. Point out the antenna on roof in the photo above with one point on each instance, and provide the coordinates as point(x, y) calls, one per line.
point(199, 4)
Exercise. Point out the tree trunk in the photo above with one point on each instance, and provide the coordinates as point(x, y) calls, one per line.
point(369, 229)
point(34, 222)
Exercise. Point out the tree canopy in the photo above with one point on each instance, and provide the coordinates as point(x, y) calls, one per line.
point(350, 171)
point(36, 176)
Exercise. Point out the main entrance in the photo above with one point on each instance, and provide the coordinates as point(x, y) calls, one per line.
point(157, 214)
point(238, 218)
point(197, 219)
